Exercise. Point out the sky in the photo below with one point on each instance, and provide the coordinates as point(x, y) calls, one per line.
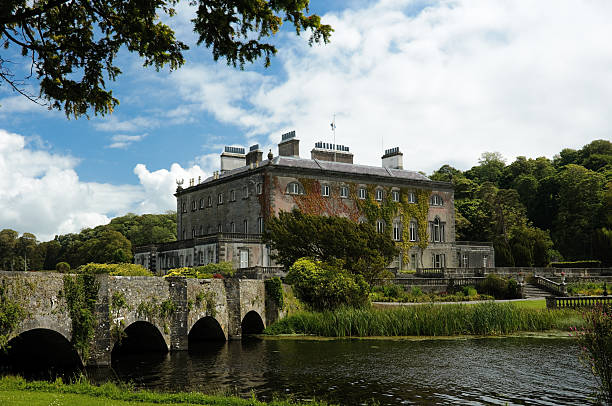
point(444, 81)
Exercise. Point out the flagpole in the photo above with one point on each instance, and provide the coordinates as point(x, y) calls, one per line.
point(334, 130)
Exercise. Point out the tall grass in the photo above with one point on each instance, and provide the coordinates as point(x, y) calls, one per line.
point(427, 320)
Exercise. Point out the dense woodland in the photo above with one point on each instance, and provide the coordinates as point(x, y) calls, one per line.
point(533, 210)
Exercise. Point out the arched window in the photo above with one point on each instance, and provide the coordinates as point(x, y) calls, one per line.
point(363, 193)
point(295, 188)
point(395, 195)
point(397, 231)
point(201, 203)
point(380, 226)
point(436, 200)
point(379, 195)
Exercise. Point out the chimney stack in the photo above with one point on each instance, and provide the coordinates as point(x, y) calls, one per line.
point(232, 158)
point(393, 159)
point(324, 151)
point(254, 156)
point(289, 145)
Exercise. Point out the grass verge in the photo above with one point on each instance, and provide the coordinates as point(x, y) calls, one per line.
point(16, 391)
point(428, 320)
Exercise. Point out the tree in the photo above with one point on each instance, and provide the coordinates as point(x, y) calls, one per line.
point(108, 247)
point(72, 44)
point(294, 235)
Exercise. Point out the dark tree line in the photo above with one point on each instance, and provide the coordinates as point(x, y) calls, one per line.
point(110, 243)
point(538, 210)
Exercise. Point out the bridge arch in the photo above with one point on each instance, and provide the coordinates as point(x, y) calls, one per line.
point(41, 352)
point(252, 323)
point(140, 337)
point(206, 329)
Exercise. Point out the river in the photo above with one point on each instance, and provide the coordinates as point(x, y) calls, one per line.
point(475, 371)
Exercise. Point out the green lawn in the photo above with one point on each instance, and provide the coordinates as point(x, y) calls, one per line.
point(531, 304)
point(23, 398)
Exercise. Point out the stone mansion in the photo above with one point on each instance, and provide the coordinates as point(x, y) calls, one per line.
point(221, 218)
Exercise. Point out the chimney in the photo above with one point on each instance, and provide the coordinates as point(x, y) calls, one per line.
point(289, 145)
point(393, 159)
point(324, 151)
point(232, 158)
point(254, 156)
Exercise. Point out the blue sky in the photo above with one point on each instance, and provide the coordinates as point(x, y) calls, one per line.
point(444, 81)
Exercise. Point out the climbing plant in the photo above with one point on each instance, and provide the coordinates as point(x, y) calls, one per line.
point(81, 294)
point(419, 212)
point(152, 311)
point(207, 299)
point(11, 313)
point(118, 303)
point(274, 290)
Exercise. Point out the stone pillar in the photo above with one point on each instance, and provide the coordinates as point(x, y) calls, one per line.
point(177, 289)
point(232, 291)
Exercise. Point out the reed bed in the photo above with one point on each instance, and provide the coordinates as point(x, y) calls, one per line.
point(427, 320)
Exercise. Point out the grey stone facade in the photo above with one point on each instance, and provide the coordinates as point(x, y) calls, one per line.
point(222, 217)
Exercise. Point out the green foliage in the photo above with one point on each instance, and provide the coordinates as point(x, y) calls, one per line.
point(81, 294)
point(322, 286)
point(595, 341)
point(153, 311)
point(72, 46)
point(147, 228)
point(226, 269)
point(296, 235)
point(274, 290)
point(593, 263)
point(425, 320)
point(586, 288)
point(114, 269)
point(499, 288)
point(117, 304)
point(63, 267)
point(397, 294)
point(208, 300)
point(11, 314)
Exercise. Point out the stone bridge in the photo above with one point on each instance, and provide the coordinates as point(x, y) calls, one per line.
point(134, 313)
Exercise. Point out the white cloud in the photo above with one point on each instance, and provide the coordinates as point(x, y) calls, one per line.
point(160, 185)
point(455, 80)
point(42, 192)
point(114, 124)
point(123, 141)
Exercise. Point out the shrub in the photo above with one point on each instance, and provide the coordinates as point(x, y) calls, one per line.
point(323, 286)
point(114, 269)
point(62, 267)
point(499, 288)
point(221, 270)
point(595, 340)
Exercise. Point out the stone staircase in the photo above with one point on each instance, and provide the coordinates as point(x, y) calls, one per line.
point(532, 291)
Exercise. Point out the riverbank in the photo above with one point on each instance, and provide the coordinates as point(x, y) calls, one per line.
point(16, 391)
point(481, 319)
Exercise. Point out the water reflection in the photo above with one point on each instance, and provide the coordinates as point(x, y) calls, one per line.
point(476, 371)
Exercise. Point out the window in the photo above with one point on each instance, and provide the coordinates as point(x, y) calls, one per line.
point(437, 230)
point(380, 226)
point(201, 203)
point(396, 195)
point(244, 258)
point(379, 194)
point(294, 188)
point(220, 198)
point(411, 197)
point(233, 195)
point(260, 225)
point(193, 206)
point(344, 192)
point(220, 228)
point(259, 188)
point(245, 192)
point(413, 261)
point(413, 231)
point(397, 231)
point(184, 234)
point(209, 201)
point(324, 190)
point(201, 230)
point(485, 261)
point(438, 260)
point(245, 223)
point(436, 200)
point(465, 262)
point(184, 207)
point(363, 193)
point(233, 227)
point(193, 232)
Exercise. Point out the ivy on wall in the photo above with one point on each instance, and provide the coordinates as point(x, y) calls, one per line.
point(274, 290)
point(152, 311)
point(313, 202)
point(12, 312)
point(81, 294)
point(117, 304)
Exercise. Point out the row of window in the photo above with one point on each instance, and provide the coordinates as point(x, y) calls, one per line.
point(231, 228)
point(220, 198)
point(295, 188)
point(436, 230)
